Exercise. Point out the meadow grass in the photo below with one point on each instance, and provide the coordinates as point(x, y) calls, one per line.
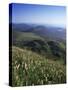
point(30, 68)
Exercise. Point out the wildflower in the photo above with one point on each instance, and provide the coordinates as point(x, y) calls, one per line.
point(46, 79)
point(17, 66)
point(26, 66)
point(16, 77)
point(42, 82)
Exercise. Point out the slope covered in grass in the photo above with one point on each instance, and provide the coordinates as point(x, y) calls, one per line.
point(30, 68)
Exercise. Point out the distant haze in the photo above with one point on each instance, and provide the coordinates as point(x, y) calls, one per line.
point(39, 14)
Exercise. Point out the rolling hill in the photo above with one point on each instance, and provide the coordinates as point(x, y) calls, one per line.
point(54, 33)
point(31, 41)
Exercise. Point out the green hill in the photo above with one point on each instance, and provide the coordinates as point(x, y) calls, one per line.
point(31, 68)
point(19, 36)
point(53, 49)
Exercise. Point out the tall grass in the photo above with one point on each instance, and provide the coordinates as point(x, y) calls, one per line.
point(29, 68)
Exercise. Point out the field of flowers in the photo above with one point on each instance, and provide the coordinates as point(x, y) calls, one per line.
point(29, 68)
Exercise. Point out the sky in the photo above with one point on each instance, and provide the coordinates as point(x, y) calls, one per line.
point(39, 14)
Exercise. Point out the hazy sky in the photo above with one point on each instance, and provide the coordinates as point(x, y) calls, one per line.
point(40, 14)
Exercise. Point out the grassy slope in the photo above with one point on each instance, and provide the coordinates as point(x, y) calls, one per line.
point(29, 68)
